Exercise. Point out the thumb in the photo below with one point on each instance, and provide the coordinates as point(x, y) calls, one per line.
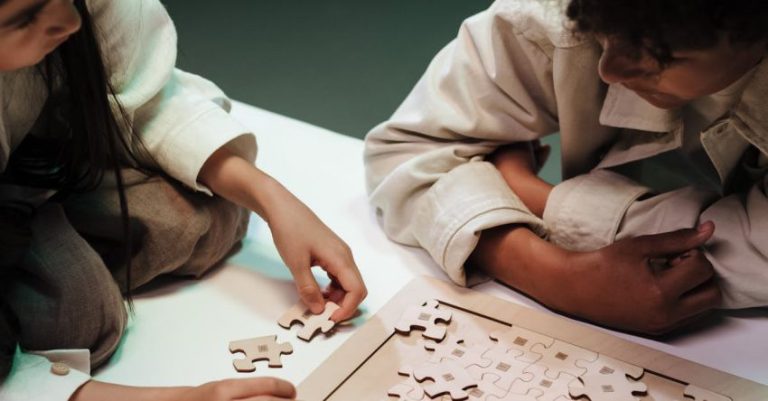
point(676, 242)
point(309, 291)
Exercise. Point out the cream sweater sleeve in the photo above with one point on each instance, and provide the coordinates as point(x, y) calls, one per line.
point(425, 166)
point(181, 118)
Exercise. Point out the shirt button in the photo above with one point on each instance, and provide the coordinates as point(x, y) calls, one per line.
point(59, 369)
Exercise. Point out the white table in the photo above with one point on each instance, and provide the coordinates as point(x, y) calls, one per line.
point(181, 329)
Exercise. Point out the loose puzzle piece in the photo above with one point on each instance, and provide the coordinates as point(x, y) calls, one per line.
point(448, 377)
point(258, 349)
point(425, 317)
point(455, 350)
point(523, 340)
point(504, 368)
point(312, 323)
point(542, 386)
point(606, 380)
point(561, 357)
point(700, 394)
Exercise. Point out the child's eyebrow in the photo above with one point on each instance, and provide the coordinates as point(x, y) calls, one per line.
point(24, 13)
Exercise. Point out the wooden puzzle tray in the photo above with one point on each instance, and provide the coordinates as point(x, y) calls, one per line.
point(366, 366)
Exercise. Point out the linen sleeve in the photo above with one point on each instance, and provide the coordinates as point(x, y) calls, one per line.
point(181, 118)
point(425, 167)
point(596, 209)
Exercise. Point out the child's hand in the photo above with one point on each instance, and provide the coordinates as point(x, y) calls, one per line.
point(301, 238)
point(619, 288)
point(615, 286)
point(304, 241)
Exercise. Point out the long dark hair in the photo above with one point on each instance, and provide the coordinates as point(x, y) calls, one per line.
point(85, 138)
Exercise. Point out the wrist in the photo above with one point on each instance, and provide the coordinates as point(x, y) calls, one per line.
point(519, 258)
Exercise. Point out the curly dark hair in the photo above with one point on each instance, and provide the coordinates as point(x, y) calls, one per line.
point(663, 26)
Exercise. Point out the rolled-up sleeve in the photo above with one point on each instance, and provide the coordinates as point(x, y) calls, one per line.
point(425, 166)
point(181, 118)
point(596, 209)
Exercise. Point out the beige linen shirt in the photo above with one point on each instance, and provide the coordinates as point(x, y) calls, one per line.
point(181, 118)
point(516, 73)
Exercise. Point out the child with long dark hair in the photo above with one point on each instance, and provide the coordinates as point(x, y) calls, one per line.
point(661, 106)
point(116, 168)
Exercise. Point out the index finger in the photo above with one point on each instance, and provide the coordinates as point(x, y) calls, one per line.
point(351, 282)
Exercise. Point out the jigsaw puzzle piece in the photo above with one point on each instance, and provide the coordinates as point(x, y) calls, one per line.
point(486, 390)
point(311, 323)
point(425, 317)
point(454, 349)
point(606, 380)
point(542, 386)
point(561, 357)
point(516, 397)
point(700, 394)
point(504, 368)
point(521, 339)
point(258, 349)
point(447, 377)
point(409, 389)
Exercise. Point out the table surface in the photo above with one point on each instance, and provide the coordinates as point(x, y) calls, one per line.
point(180, 331)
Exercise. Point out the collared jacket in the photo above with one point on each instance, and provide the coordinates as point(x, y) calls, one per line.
point(516, 72)
point(181, 118)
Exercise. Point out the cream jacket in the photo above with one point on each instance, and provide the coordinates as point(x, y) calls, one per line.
point(515, 73)
point(181, 118)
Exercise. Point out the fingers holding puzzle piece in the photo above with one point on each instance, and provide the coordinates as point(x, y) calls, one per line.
point(311, 323)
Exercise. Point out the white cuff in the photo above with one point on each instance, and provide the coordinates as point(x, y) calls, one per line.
point(53, 377)
point(471, 198)
point(584, 213)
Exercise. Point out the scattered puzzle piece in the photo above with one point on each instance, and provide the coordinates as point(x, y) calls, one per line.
point(606, 380)
point(504, 368)
point(561, 357)
point(312, 323)
point(448, 377)
point(425, 317)
point(258, 349)
point(700, 394)
point(523, 340)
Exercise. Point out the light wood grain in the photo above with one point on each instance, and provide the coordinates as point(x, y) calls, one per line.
point(367, 364)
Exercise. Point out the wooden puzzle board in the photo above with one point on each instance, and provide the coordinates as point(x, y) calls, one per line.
point(366, 366)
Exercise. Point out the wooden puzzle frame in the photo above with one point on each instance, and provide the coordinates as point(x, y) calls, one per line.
point(345, 363)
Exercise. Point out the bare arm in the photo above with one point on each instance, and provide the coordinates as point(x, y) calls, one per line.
point(224, 390)
point(301, 238)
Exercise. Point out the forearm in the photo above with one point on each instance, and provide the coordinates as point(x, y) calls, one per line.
point(532, 190)
point(517, 257)
point(237, 180)
point(98, 391)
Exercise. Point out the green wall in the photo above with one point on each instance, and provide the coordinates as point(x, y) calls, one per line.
point(341, 64)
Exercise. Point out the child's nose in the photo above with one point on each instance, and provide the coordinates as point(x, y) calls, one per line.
point(615, 67)
point(66, 21)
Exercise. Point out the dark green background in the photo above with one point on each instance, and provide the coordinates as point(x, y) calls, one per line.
point(341, 64)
